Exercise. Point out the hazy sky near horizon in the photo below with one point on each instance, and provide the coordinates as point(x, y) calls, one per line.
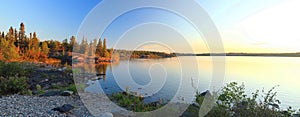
point(245, 26)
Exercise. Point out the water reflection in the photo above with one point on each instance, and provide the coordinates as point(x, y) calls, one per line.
point(101, 70)
point(254, 72)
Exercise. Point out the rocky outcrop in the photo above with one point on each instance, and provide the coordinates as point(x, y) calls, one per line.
point(66, 108)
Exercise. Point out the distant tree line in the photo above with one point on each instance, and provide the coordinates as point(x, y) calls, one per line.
point(143, 54)
point(15, 45)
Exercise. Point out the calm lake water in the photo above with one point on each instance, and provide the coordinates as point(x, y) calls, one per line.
point(178, 78)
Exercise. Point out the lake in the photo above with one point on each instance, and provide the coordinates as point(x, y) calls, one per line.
point(177, 79)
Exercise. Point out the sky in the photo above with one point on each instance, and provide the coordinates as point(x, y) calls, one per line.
point(245, 26)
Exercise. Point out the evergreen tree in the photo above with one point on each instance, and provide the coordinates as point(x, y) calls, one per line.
point(22, 42)
point(3, 35)
point(45, 48)
point(105, 52)
point(104, 45)
point(72, 43)
point(10, 36)
point(99, 50)
point(65, 45)
point(93, 47)
point(35, 41)
point(9, 50)
point(34, 50)
point(84, 47)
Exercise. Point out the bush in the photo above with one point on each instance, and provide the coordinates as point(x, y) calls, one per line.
point(134, 103)
point(232, 101)
point(13, 69)
point(13, 85)
point(39, 89)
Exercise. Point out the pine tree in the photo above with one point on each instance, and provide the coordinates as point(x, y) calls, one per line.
point(34, 50)
point(104, 44)
point(9, 50)
point(105, 52)
point(99, 50)
point(10, 36)
point(65, 45)
point(35, 42)
point(93, 47)
point(3, 35)
point(45, 48)
point(72, 43)
point(23, 44)
point(84, 47)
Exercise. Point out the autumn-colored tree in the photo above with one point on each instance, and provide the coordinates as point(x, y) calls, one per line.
point(10, 36)
point(54, 46)
point(34, 50)
point(35, 41)
point(9, 50)
point(14, 44)
point(45, 49)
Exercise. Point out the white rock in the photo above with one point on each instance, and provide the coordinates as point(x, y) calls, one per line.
point(107, 114)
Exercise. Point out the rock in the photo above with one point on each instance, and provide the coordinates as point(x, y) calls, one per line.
point(244, 104)
point(66, 93)
point(207, 92)
point(155, 104)
point(107, 114)
point(100, 74)
point(64, 109)
point(51, 93)
point(274, 105)
point(34, 92)
point(296, 115)
point(195, 104)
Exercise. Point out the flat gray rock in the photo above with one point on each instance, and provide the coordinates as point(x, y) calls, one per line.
point(64, 109)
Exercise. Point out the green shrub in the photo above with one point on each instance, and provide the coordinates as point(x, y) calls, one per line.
point(39, 89)
point(44, 75)
point(13, 85)
point(232, 101)
point(29, 92)
point(13, 69)
point(75, 88)
point(72, 87)
point(132, 102)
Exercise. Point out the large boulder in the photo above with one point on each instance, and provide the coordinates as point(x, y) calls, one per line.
point(107, 114)
point(66, 93)
point(51, 93)
point(64, 109)
point(207, 92)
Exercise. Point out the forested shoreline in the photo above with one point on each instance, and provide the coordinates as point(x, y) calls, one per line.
point(17, 46)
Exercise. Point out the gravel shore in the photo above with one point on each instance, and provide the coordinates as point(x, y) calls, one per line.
point(18, 105)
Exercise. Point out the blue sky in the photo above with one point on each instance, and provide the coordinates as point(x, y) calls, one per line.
point(51, 19)
point(60, 19)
